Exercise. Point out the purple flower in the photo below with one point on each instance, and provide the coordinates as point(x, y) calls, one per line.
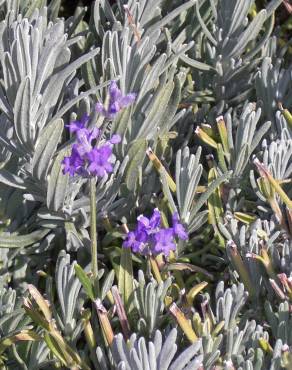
point(178, 228)
point(73, 163)
point(115, 139)
point(150, 238)
point(116, 101)
point(86, 158)
point(77, 125)
point(85, 139)
point(136, 241)
point(99, 159)
point(149, 224)
point(163, 242)
point(155, 220)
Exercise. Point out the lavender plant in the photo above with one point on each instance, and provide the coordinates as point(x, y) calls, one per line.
point(145, 185)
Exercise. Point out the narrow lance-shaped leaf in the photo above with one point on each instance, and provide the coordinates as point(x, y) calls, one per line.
point(85, 281)
point(204, 27)
point(121, 312)
point(57, 183)
point(22, 118)
point(41, 302)
point(137, 154)
point(166, 190)
point(196, 64)
point(183, 323)
point(250, 33)
point(125, 279)
point(104, 322)
point(194, 291)
point(204, 197)
point(159, 167)
point(107, 284)
point(58, 79)
point(12, 180)
point(46, 147)
point(266, 174)
point(54, 348)
point(169, 17)
point(23, 335)
point(21, 241)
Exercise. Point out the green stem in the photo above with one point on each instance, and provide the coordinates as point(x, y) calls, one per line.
point(93, 234)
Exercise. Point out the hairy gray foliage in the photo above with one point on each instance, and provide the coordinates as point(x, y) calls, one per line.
point(188, 62)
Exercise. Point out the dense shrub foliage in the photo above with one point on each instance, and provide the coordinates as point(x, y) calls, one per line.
point(145, 185)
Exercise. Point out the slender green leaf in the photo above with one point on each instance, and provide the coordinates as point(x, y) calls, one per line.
point(125, 280)
point(85, 281)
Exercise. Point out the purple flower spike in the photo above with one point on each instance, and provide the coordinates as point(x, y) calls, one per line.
point(87, 158)
point(116, 102)
point(150, 238)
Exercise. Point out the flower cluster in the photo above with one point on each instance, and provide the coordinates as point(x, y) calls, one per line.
point(150, 238)
point(87, 159)
point(116, 101)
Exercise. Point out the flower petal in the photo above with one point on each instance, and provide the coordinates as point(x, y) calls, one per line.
point(115, 139)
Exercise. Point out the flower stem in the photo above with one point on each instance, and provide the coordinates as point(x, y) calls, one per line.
point(93, 234)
